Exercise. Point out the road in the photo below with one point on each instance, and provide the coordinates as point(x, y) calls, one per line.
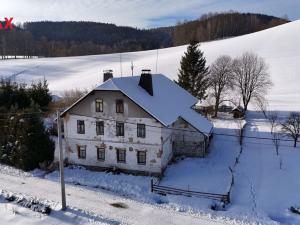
point(98, 202)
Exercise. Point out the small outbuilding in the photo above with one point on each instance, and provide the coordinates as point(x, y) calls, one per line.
point(238, 112)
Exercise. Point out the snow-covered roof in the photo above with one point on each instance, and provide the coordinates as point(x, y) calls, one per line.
point(168, 103)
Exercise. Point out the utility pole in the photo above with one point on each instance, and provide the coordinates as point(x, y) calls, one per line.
point(121, 64)
point(132, 67)
point(156, 61)
point(61, 163)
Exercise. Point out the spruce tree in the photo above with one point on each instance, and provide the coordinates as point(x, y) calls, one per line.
point(24, 142)
point(193, 72)
point(39, 93)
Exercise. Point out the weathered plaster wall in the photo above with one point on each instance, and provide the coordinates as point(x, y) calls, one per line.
point(187, 140)
point(132, 115)
point(158, 143)
point(167, 137)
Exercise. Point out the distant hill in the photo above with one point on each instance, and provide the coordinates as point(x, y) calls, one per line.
point(220, 25)
point(50, 39)
point(102, 37)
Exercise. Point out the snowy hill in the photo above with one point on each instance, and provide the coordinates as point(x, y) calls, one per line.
point(279, 46)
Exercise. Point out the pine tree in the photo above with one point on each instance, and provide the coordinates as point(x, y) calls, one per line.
point(39, 93)
point(193, 74)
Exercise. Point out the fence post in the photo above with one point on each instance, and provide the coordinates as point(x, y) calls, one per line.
point(228, 197)
point(151, 185)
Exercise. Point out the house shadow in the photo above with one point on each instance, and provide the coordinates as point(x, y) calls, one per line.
point(78, 216)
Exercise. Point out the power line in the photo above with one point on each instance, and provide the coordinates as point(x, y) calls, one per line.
point(191, 131)
point(17, 114)
point(160, 127)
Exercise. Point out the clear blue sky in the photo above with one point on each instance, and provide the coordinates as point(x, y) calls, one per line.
point(139, 13)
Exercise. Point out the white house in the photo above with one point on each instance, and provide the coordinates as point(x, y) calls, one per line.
point(135, 124)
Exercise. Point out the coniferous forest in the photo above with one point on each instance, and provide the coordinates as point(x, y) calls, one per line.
point(54, 39)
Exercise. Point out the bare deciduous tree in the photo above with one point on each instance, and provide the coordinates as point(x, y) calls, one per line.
point(273, 118)
point(220, 79)
point(71, 96)
point(262, 106)
point(291, 127)
point(251, 78)
point(276, 141)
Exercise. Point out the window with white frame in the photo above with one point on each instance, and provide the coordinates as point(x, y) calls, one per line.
point(99, 105)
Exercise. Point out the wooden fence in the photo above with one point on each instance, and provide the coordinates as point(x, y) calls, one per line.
point(163, 190)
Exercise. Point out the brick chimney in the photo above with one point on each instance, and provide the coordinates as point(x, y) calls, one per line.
point(146, 81)
point(107, 74)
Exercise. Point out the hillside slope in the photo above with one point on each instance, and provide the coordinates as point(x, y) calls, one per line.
point(78, 38)
point(214, 26)
point(280, 46)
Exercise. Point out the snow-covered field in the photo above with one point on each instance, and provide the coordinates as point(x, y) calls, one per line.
point(279, 46)
point(262, 187)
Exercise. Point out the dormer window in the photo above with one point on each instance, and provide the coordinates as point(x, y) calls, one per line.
point(99, 105)
point(119, 106)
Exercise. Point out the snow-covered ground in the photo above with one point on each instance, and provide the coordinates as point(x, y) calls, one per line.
point(279, 46)
point(135, 187)
point(262, 187)
point(262, 193)
point(98, 206)
point(210, 174)
point(13, 214)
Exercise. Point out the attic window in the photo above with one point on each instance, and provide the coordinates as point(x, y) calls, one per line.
point(99, 105)
point(119, 106)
